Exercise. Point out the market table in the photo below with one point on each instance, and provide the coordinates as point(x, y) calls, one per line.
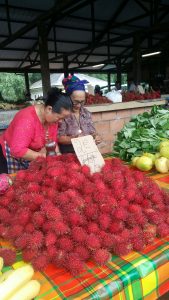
point(136, 276)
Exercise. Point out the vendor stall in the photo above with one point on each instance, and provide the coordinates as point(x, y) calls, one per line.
point(108, 118)
point(138, 275)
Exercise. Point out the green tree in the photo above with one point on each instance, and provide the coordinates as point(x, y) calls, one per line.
point(12, 86)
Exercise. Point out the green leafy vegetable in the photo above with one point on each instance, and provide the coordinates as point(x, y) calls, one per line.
point(142, 134)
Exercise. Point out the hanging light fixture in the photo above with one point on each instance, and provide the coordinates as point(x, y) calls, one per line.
point(151, 54)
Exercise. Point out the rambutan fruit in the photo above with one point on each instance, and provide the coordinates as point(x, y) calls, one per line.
point(37, 240)
point(48, 226)
point(75, 219)
point(163, 230)
point(60, 258)
point(91, 211)
point(133, 208)
point(51, 251)
point(29, 228)
point(122, 249)
point(65, 243)
point(3, 230)
point(51, 194)
point(123, 203)
point(104, 221)
point(155, 218)
point(74, 264)
point(92, 227)
point(101, 256)
point(82, 252)
point(50, 238)
point(140, 219)
point(60, 228)
point(29, 254)
point(8, 255)
point(33, 187)
point(93, 242)
point(5, 216)
point(21, 175)
point(85, 170)
point(15, 231)
point(53, 213)
point(120, 214)
point(5, 201)
point(23, 216)
point(38, 199)
point(116, 226)
point(138, 243)
point(38, 219)
point(10, 193)
point(55, 172)
point(22, 241)
point(106, 239)
point(79, 234)
point(40, 262)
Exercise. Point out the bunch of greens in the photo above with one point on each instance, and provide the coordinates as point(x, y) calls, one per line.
point(142, 134)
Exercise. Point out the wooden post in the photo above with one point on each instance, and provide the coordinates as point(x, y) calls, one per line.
point(119, 70)
point(27, 83)
point(44, 61)
point(109, 81)
point(65, 66)
point(136, 59)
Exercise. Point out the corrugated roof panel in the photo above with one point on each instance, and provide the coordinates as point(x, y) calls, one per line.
point(12, 54)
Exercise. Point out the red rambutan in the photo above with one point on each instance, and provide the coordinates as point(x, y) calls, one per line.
point(138, 243)
point(79, 234)
point(116, 226)
point(40, 262)
point(122, 249)
point(38, 219)
point(82, 252)
point(120, 214)
point(163, 230)
point(60, 258)
point(33, 187)
point(60, 228)
point(93, 242)
point(75, 219)
point(37, 240)
point(28, 254)
point(22, 241)
point(50, 239)
point(92, 227)
point(91, 211)
point(74, 264)
point(101, 256)
point(104, 221)
point(66, 243)
point(8, 255)
point(5, 216)
point(29, 228)
point(15, 231)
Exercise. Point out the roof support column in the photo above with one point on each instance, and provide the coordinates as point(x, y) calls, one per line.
point(65, 66)
point(27, 83)
point(136, 59)
point(44, 60)
point(109, 81)
point(119, 70)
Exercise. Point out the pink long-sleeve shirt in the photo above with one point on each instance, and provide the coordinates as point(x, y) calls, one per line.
point(26, 132)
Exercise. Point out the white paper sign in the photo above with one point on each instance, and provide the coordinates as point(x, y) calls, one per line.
point(88, 153)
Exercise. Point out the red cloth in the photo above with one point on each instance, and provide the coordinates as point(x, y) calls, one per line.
point(26, 132)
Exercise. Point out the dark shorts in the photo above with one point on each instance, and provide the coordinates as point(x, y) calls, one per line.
point(3, 162)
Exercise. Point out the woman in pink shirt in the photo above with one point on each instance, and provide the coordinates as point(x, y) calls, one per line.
point(24, 140)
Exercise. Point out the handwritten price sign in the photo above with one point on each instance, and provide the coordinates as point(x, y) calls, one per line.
point(88, 153)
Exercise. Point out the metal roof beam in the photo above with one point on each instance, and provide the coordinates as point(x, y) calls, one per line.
point(62, 6)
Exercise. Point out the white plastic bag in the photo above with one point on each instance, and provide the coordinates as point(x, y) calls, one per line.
point(114, 96)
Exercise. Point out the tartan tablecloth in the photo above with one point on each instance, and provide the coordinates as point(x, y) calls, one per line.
point(136, 276)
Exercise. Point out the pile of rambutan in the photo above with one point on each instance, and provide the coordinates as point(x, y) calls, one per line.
point(58, 212)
